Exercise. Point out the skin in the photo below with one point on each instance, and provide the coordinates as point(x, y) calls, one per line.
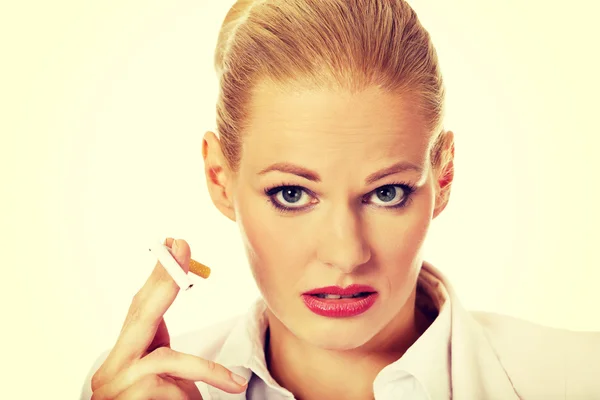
point(343, 232)
point(141, 364)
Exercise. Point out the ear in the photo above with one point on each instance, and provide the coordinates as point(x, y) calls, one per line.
point(444, 173)
point(219, 177)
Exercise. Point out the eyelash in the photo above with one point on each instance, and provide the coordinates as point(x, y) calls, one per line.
point(272, 191)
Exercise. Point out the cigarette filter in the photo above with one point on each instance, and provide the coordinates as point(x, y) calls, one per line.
point(199, 269)
point(174, 269)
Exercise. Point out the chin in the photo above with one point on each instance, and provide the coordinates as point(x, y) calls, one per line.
point(336, 334)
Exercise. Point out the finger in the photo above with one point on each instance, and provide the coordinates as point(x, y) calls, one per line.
point(145, 316)
point(152, 302)
point(161, 338)
point(168, 362)
point(153, 387)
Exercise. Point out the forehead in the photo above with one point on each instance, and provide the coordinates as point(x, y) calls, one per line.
point(328, 127)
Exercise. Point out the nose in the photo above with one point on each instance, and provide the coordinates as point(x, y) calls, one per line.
point(343, 243)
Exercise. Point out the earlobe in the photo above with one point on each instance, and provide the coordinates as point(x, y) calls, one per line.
point(218, 175)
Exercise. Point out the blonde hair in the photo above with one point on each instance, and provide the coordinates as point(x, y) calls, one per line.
point(340, 44)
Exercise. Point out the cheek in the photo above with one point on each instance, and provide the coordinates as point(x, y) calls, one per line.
point(399, 240)
point(271, 243)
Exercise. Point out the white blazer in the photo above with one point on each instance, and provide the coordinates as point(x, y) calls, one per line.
point(491, 357)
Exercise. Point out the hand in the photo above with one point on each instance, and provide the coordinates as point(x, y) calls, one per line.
point(142, 364)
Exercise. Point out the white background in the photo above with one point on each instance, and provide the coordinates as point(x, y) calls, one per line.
point(103, 108)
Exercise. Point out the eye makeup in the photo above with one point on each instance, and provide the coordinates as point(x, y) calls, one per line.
point(272, 192)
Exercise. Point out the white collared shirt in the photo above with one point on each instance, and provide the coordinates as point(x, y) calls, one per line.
point(422, 373)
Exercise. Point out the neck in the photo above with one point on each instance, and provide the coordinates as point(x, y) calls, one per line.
point(310, 372)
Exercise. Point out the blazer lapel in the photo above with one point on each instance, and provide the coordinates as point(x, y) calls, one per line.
point(476, 371)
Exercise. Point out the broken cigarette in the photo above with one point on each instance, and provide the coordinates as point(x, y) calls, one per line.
point(174, 269)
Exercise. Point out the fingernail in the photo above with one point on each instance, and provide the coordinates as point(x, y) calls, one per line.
point(238, 379)
point(174, 247)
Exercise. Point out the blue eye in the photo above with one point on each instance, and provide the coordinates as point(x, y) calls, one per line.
point(288, 197)
point(389, 195)
point(291, 198)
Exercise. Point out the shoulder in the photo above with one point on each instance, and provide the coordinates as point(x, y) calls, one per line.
point(535, 356)
point(505, 330)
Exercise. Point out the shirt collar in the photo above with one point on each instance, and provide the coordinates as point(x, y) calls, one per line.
point(427, 359)
point(243, 350)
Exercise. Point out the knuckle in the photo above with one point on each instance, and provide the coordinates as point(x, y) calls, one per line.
point(135, 308)
point(150, 384)
point(151, 381)
point(145, 386)
point(101, 377)
point(161, 353)
point(211, 365)
point(136, 299)
point(97, 380)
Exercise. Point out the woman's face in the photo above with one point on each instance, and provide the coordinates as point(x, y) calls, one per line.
point(334, 189)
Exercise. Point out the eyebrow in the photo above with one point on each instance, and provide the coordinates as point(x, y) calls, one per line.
point(401, 166)
point(306, 173)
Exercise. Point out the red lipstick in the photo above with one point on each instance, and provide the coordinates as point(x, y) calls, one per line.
point(337, 302)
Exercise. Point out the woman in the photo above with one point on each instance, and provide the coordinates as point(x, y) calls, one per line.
point(332, 159)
